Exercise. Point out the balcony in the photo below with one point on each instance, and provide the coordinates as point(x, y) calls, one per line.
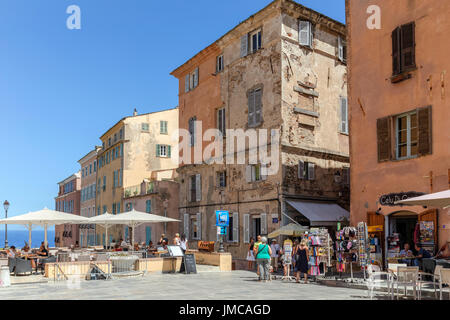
point(140, 190)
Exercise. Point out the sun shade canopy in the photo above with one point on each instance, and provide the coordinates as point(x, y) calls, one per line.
point(319, 212)
point(438, 199)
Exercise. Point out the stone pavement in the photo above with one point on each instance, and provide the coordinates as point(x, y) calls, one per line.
point(236, 285)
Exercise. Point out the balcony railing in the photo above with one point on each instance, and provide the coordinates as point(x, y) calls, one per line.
point(140, 190)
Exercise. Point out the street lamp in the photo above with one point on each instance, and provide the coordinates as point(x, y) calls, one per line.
point(6, 206)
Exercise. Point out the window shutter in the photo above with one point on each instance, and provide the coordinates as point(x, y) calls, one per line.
point(340, 49)
point(304, 33)
point(396, 51)
point(408, 46)
point(189, 189)
point(246, 228)
point(235, 227)
point(346, 176)
point(425, 130)
point(258, 106)
point(198, 187)
point(311, 171)
point(186, 83)
point(263, 223)
point(196, 77)
point(169, 151)
point(158, 150)
point(186, 225)
point(301, 170)
point(244, 45)
point(263, 172)
point(248, 173)
point(199, 226)
point(251, 108)
point(344, 115)
point(384, 139)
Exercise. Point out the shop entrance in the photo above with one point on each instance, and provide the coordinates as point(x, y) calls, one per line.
point(256, 227)
point(404, 223)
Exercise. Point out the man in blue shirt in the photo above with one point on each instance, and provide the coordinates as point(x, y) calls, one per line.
point(421, 253)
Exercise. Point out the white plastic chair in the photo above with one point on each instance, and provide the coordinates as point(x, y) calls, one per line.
point(444, 278)
point(375, 279)
point(392, 269)
point(407, 277)
point(435, 282)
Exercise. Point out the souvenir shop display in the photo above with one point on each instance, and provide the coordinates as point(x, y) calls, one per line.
point(320, 251)
point(393, 245)
point(363, 246)
point(346, 249)
point(426, 235)
point(376, 244)
point(287, 258)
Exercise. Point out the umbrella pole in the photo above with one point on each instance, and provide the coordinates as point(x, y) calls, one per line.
point(45, 235)
point(132, 235)
point(29, 236)
point(106, 239)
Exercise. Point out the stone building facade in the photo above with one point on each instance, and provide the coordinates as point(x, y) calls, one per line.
point(399, 115)
point(265, 74)
point(68, 201)
point(134, 148)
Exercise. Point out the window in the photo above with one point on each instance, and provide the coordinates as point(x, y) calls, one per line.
point(163, 151)
point(195, 190)
point(115, 137)
point(342, 49)
point(230, 229)
point(254, 107)
point(219, 64)
point(114, 208)
point(105, 209)
point(191, 80)
point(254, 173)
point(121, 134)
point(95, 166)
point(407, 136)
point(118, 207)
point(148, 206)
point(192, 129)
point(403, 48)
point(163, 127)
point(129, 206)
point(346, 176)
point(195, 226)
point(221, 121)
point(255, 41)
point(344, 115)
point(104, 183)
point(222, 179)
point(305, 33)
point(109, 142)
point(145, 127)
point(306, 170)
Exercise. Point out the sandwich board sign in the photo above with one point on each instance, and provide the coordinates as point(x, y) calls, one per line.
point(222, 218)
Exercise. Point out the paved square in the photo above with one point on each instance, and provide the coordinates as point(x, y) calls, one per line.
point(236, 285)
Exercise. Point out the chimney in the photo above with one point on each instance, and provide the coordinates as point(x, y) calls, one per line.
point(135, 113)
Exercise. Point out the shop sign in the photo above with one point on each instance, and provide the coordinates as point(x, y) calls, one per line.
point(391, 198)
point(222, 218)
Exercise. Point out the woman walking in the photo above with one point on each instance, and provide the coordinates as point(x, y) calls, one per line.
point(183, 243)
point(263, 260)
point(301, 265)
point(250, 256)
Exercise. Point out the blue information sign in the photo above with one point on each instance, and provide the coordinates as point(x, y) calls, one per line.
point(222, 218)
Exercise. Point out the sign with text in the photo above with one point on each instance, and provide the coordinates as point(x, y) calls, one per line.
point(222, 218)
point(391, 198)
point(221, 230)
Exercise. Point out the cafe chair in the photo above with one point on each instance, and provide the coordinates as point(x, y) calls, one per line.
point(444, 278)
point(406, 277)
point(375, 279)
point(43, 262)
point(12, 264)
point(23, 266)
point(435, 280)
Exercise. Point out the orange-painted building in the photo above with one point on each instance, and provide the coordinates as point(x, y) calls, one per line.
point(399, 117)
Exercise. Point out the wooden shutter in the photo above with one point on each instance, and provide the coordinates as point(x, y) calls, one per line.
point(199, 226)
point(251, 108)
point(186, 83)
point(431, 215)
point(196, 77)
point(258, 106)
point(311, 171)
point(198, 187)
point(425, 130)
point(301, 169)
point(264, 223)
point(244, 45)
point(408, 45)
point(384, 139)
point(235, 227)
point(304, 33)
point(248, 173)
point(246, 228)
point(396, 51)
point(344, 115)
point(186, 225)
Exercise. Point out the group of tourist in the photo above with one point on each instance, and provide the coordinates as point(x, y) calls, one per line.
point(26, 253)
point(410, 258)
point(124, 245)
point(268, 257)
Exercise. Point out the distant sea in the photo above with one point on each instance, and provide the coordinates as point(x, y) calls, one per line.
point(17, 237)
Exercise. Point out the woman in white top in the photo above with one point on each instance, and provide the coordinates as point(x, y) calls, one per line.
point(176, 240)
point(183, 243)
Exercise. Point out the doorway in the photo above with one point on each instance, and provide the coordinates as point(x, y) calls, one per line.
point(256, 227)
point(404, 223)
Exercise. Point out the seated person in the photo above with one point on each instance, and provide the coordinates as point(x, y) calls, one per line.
point(124, 245)
point(77, 245)
point(444, 252)
point(136, 247)
point(42, 250)
point(421, 253)
point(150, 245)
point(11, 252)
point(406, 252)
point(117, 248)
point(112, 245)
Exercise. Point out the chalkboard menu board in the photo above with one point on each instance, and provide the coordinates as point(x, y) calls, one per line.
point(189, 263)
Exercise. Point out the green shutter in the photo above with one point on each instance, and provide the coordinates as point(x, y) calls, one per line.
point(169, 151)
point(158, 150)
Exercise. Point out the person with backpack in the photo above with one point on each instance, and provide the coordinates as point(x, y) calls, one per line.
point(263, 259)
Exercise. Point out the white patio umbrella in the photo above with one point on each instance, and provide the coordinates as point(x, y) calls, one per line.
point(291, 229)
point(135, 218)
point(438, 199)
point(103, 220)
point(44, 218)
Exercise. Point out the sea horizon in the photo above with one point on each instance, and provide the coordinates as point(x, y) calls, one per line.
point(18, 238)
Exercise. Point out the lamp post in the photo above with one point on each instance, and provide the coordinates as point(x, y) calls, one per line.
point(6, 206)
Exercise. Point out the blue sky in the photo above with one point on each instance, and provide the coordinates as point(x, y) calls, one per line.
point(61, 89)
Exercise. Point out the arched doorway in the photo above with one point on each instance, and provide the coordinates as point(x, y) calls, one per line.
point(402, 223)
